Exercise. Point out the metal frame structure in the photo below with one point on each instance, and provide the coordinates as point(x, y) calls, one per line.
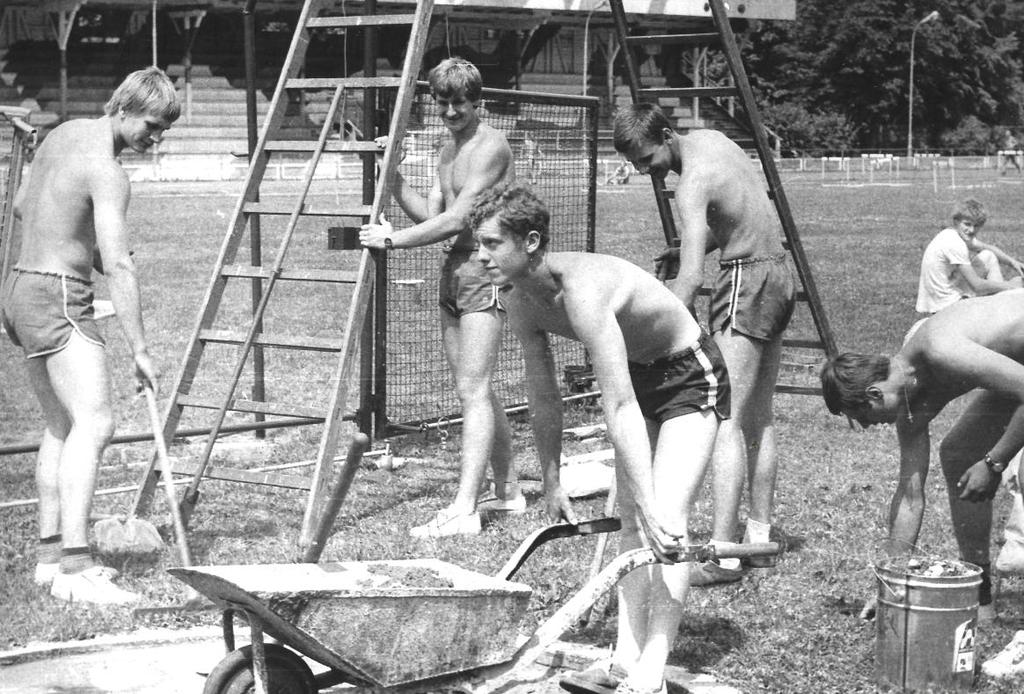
point(23, 141)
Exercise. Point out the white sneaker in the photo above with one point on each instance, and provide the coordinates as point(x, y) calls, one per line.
point(92, 585)
point(1011, 558)
point(446, 523)
point(1009, 662)
point(514, 503)
point(44, 573)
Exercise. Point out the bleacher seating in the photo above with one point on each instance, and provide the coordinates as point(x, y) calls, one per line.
point(213, 121)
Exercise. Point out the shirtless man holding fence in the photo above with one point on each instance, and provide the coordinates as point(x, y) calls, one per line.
point(477, 158)
point(72, 208)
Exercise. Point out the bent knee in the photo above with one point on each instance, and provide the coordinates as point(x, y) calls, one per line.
point(98, 426)
point(475, 391)
point(956, 456)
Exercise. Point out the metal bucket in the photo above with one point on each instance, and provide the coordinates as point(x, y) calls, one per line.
point(927, 628)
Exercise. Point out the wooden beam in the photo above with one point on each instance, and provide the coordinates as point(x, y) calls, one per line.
point(749, 9)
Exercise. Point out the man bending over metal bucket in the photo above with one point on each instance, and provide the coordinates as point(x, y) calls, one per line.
point(974, 345)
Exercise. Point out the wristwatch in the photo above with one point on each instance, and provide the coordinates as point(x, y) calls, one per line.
point(389, 244)
point(994, 465)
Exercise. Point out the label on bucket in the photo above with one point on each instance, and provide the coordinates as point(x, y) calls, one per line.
point(963, 655)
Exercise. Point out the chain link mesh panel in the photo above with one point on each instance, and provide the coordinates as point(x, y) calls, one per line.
point(553, 140)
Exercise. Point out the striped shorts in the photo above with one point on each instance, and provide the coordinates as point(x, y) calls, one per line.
point(693, 380)
point(41, 310)
point(753, 296)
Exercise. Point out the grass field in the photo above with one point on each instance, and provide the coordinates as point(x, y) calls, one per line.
point(789, 629)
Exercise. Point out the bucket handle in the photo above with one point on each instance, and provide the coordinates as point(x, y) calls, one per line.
point(900, 595)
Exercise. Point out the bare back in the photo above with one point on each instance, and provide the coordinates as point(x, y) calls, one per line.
point(486, 155)
point(654, 323)
point(55, 202)
point(975, 343)
point(720, 182)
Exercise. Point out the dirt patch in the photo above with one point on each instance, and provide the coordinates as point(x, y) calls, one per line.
point(932, 568)
point(409, 577)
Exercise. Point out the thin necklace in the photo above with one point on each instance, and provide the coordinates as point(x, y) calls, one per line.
point(906, 395)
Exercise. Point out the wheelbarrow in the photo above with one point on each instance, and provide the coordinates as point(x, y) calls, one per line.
point(398, 626)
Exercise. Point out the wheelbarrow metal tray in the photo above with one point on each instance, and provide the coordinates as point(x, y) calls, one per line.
point(385, 622)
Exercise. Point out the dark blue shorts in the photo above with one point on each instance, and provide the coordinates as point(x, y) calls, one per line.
point(693, 380)
point(465, 285)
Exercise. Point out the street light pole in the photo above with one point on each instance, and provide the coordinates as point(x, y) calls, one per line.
point(934, 14)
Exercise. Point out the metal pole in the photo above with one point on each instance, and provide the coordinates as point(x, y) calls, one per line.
point(910, 87)
point(259, 389)
point(154, 33)
point(373, 339)
point(910, 100)
point(18, 448)
point(586, 43)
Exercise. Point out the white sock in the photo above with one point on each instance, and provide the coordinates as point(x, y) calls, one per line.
point(507, 490)
point(757, 531)
point(729, 563)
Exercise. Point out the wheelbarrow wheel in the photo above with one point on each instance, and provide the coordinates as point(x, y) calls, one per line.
point(287, 673)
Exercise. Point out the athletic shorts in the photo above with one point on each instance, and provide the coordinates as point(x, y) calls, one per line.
point(465, 286)
point(40, 311)
point(693, 380)
point(755, 296)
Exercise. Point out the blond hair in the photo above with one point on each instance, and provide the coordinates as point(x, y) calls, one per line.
point(147, 91)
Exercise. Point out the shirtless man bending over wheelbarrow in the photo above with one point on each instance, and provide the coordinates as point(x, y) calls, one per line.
point(664, 388)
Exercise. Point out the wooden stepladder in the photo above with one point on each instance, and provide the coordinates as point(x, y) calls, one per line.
point(724, 40)
point(251, 339)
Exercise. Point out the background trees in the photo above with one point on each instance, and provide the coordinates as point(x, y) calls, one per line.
point(837, 76)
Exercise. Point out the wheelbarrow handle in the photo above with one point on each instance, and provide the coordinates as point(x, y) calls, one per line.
point(496, 676)
point(550, 532)
point(750, 549)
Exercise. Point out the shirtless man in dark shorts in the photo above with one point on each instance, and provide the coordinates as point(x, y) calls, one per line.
point(664, 390)
point(974, 345)
point(72, 208)
point(723, 205)
point(477, 158)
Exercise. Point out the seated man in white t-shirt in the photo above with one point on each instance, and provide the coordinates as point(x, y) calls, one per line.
point(956, 265)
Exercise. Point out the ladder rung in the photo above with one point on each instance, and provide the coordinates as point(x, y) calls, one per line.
point(667, 193)
point(329, 146)
point(304, 275)
point(255, 407)
point(796, 390)
point(360, 20)
point(307, 209)
point(706, 39)
point(688, 92)
point(804, 344)
point(269, 479)
point(316, 344)
point(347, 82)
